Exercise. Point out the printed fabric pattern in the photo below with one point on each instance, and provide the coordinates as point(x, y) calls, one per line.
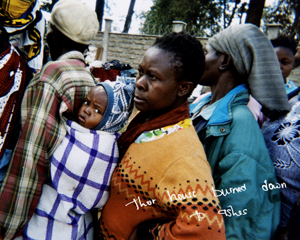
point(282, 138)
point(161, 132)
point(12, 82)
point(81, 169)
point(24, 20)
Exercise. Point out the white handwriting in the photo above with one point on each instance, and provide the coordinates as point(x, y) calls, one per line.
point(200, 215)
point(219, 193)
point(230, 212)
point(139, 203)
point(181, 196)
point(272, 186)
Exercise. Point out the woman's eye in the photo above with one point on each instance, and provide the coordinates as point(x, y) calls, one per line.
point(86, 103)
point(152, 77)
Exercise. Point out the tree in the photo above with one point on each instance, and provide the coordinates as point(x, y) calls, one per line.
point(255, 11)
point(203, 17)
point(100, 11)
point(286, 13)
point(129, 16)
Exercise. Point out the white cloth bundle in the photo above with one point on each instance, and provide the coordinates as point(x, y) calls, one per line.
point(81, 169)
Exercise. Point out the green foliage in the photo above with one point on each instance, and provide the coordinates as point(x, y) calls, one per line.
point(203, 17)
point(198, 14)
point(286, 13)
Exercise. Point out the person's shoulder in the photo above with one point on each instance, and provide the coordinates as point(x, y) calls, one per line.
point(62, 65)
point(241, 114)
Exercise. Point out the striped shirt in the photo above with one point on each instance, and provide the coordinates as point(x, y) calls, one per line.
point(52, 95)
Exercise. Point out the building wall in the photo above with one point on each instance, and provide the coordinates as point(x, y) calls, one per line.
point(128, 48)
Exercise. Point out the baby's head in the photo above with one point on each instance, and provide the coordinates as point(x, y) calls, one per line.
point(107, 106)
point(285, 48)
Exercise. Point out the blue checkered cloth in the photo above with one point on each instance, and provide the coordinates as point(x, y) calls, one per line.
point(81, 169)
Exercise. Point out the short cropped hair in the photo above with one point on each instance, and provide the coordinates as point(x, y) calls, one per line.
point(189, 58)
point(285, 41)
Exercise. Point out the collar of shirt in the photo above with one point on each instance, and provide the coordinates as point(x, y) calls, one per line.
point(72, 55)
point(207, 112)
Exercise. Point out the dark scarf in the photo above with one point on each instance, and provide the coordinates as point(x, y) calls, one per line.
point(138, 125)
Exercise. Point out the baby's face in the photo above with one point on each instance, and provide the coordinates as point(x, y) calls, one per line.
point(93, 108)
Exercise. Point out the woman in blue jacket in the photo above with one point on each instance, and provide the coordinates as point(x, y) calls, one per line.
point(240, 60)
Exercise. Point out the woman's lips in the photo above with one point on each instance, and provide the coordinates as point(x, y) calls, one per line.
point(137, 99)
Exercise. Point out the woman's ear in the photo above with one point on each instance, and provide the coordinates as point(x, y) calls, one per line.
point(225, 62)
point(185, 88)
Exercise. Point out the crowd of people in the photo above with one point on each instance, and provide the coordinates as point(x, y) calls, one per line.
point(75, 163)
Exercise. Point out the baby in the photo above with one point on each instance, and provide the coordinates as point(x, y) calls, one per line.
point(82, 165)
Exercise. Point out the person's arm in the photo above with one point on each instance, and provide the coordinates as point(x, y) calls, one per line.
point(185, 192)
point(29, 166)
point(249, 211)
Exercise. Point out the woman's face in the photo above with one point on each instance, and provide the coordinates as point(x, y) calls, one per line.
point(213, 61)
point(157, 87)
point(286, 60)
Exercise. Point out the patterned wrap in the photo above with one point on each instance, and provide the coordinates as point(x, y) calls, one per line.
point(81, 169)
point(282, 138)
point(12, 82)
point(24, 20)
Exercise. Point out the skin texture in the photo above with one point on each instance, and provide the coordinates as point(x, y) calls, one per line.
point(93, 108)
point(213, 60)
point(286, 60)
point(220, 74)
point(157, 87)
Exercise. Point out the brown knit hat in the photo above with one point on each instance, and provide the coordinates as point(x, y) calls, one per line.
point(75, 20)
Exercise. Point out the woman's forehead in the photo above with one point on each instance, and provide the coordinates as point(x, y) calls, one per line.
point(156, 56)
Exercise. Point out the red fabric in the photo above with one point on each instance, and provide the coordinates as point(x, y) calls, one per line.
point(6, 83)
point(138, 125)
point(110, 74)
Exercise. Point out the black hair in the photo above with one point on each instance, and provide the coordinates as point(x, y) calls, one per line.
point(66, 42)
point(285, 41)
point(4, 39)
point(189, 59)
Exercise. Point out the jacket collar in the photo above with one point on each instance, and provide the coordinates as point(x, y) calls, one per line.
point(224, 112)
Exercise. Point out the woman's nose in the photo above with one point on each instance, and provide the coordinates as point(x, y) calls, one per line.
point(140, 83)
